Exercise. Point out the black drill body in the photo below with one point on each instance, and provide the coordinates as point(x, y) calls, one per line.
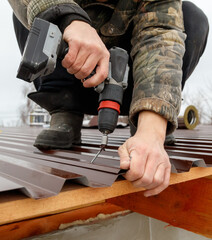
point(114, 87)
point(45, 44)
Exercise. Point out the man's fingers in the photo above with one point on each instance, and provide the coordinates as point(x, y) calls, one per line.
point(156, 180)
point(162, 186)
point(124, 157)
point(79, 62)
point(148, 174)
point(100, 75)
point(87, 68)
point(70, 57)
point(137, 166)
point(84, 41)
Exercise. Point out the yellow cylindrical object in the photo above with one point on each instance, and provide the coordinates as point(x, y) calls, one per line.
point(188, 118)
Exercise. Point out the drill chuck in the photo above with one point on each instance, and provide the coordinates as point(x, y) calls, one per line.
point(107, 120)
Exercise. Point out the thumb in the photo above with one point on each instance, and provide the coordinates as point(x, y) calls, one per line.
point(124, 157)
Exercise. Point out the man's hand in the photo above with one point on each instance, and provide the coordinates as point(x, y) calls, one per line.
point(86, 51)
point(144, 155)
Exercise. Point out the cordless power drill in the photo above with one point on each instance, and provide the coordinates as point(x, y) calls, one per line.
point(45, 44)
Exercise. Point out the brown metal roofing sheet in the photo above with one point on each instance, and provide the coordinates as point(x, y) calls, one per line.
point(7, 185)
point(37, 180)
point(43, 174)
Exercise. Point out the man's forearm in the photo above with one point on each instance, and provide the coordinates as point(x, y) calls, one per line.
point(157, 52)
point(153, 124)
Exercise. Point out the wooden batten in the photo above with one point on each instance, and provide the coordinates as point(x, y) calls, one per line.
point(186, 205)
point(15, 207)
point(43, 225)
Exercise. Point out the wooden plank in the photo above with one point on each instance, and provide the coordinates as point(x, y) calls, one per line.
point(15, 207)
point(187, 205)
point(38, 226)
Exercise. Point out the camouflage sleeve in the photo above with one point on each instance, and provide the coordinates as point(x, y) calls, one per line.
point(157, 52)
point(27, 10)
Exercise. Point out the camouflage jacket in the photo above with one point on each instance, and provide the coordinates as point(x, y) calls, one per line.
point(157, 45)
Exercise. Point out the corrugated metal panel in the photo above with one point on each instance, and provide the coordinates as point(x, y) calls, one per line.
point(40, 174)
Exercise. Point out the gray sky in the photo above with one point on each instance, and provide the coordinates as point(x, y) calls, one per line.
point(11, 88)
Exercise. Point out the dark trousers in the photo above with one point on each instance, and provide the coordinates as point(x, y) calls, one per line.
point(196, 28)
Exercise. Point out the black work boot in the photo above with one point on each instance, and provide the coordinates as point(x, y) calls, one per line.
point(65, 130)
point(66, 120)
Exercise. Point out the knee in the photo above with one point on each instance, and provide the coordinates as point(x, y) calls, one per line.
point(195, 20)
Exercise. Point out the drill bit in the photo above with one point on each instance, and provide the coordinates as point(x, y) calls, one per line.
point(92, 161)
point(102, 146)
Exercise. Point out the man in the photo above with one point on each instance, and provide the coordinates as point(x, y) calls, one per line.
point(153, 32)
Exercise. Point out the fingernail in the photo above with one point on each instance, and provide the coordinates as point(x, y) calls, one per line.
point(126, 160)
point(125, 163)
point(146, 195)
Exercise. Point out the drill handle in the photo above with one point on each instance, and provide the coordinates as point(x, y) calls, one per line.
point(118, 64)
point(116, 82)
point(63, 49)
point(118, 70)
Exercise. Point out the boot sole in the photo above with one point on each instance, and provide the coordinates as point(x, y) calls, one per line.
point(48, 146)
point(51, 139)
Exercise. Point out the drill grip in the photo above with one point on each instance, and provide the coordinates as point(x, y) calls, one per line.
point(117, 78)
point(119, 61)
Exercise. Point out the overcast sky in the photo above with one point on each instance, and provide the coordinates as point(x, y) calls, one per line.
point(10, 88)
